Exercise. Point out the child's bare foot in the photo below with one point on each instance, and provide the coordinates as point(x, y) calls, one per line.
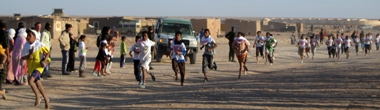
point(2, 92)
point(38, 102)
point(47, 105)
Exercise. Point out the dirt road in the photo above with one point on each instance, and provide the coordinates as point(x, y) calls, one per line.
point(322, 83)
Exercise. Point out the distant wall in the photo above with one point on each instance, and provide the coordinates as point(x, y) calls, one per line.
point(245, 26)
point(213, 24)
point(272, 26)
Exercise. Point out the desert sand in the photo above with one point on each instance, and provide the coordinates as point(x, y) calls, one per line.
point(316, 84)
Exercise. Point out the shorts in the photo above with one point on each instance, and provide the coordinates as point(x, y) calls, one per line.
point(98, 65)
point(307, 49)
point(347, 50)
point(242, 57)
point(259, 50)
point(36, 75)
point(301, 50)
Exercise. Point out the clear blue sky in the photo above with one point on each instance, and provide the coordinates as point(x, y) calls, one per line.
point(217, 8)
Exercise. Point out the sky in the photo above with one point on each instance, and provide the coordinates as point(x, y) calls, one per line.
point(207, 8)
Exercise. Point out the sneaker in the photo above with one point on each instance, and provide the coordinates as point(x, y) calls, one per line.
point(140, 83)
point(215, 66)
point(205, 80)
point(95, 74)
point(153, 77)
point(142, 86)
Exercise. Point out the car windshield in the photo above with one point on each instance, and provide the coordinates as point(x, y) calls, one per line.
point(171, 28)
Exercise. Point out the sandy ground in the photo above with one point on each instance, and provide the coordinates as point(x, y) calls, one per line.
point(316, 84)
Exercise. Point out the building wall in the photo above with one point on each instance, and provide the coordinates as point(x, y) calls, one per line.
point(272, 26)
point(110, 21)
point(245, 26)
point(213, 24)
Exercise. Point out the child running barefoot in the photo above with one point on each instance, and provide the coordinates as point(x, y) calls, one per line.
point(301, 47)
point(145, 57)
point(32, 53)
point(82, 50)
point(136, 60)
point(329, 44)
point(178, 53)
point(209, 44)
point(123, 51)
point(347, 43)
point(314, 44)
point(241, 46)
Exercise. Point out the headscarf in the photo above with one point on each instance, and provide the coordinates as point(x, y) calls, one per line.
point(11, 33)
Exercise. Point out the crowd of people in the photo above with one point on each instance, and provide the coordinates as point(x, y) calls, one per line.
point(25, 53)
point(338, 44)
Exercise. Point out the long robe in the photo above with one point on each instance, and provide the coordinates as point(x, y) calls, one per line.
point(19, 66)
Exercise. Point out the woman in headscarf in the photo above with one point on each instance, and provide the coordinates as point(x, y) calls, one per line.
point(19, 65)
point(10, 75)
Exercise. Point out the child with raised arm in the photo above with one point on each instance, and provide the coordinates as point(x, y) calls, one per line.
point(32, 52)
point(208, 56)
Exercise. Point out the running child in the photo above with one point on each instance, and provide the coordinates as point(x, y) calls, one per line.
point(330, 46)
point(314, 44)
point(82, 50)
point(177, 54)
point(367, 44)
point(123, 51)
point(145, 57)
point(343, 44)
point(356, 39)
point(377, 41)
point(241, 46)
point(308, 46)
point(136, 60)
point(347, 43)
point(301, 47)
point(269, 48)
point(32, 52)
point(338, 45)
point(208, 56)
point(259, 45)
